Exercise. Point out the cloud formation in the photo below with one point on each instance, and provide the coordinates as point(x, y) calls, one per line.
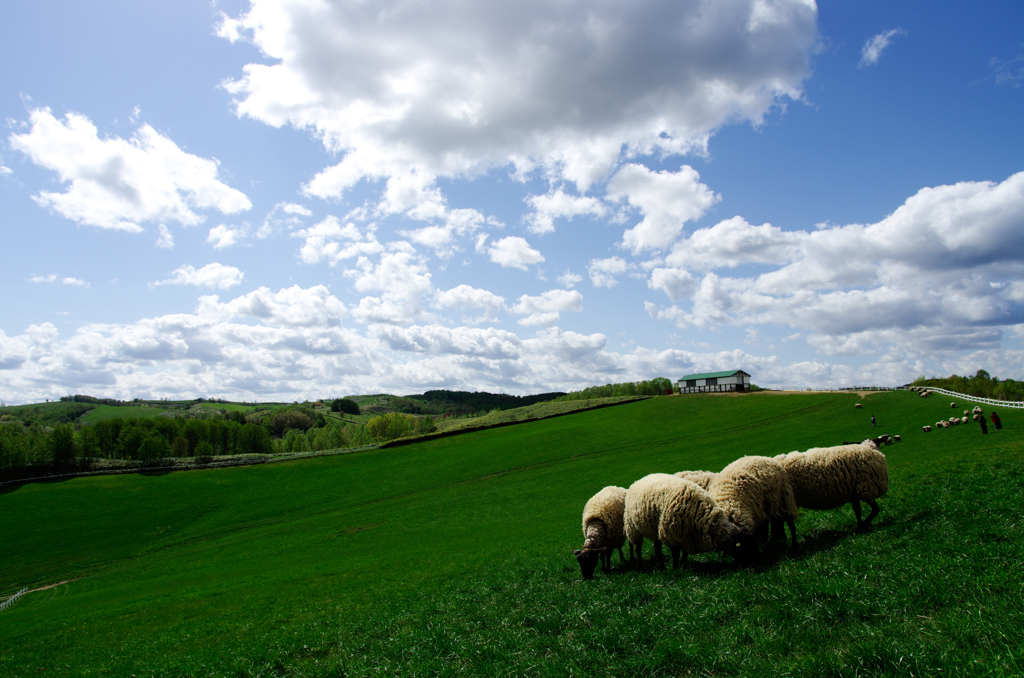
point(873, 48)
point(211, 275)
point(115, 183)
point(412, 92)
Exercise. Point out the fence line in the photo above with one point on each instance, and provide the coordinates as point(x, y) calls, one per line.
point(10, 601)
point(1012, 404)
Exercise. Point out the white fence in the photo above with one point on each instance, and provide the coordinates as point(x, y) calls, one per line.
point(10, 601)
point(1012, 404)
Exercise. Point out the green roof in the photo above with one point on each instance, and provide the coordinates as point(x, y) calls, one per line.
point(713, 375)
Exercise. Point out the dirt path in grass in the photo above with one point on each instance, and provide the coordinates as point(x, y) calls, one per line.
point(50, 586)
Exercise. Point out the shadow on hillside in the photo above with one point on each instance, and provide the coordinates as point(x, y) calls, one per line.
point(17, 485)
point(769, 556)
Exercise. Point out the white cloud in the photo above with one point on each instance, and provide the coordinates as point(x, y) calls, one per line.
point(116, 183)
point(412, 92)
point(514, 252)
point(290, 307)
point(873, 48)
point(923, 276)
point(284, 215)
point(667, 199)
point(466, 296)
point(403, 282)
point(560, 205)
point(224, 236)
point(545, 309)
point(53, 277)
point(211, 275)
point(457, 223)
point(330, 240)
point(165, 240)
point(677, 283)
point(569, 279)
point(603, 271)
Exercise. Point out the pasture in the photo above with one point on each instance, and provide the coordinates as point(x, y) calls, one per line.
point(104, 412)
point(453, 557)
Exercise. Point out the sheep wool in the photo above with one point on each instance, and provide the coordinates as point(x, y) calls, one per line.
point(679, 513)
point(702, 478)
point(753, 490)
point(828, 477)
point(602, 529)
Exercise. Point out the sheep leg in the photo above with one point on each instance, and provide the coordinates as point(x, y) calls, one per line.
point(658, 552)
point(874, 512)
point(621, 558)
point(778, 530)
point(856, 511)
point(639, 553)
point(606, 562)
point(792, 530)
point(675, 556)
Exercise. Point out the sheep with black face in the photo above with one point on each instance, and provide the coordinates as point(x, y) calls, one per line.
point(602, 530)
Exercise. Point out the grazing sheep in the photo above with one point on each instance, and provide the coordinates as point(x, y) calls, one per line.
point(602, 530)
point(926, 429)
point(753, 491)
point(702, 478)
point(952, 404)
point(977, 417)
point(963, 419)
point(858, 405)
point(827, 477)
point(677, 512)
point(977, 409)
point(897, 439)
point(966, 412)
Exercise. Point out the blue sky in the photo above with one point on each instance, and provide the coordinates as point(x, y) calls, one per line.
point(286, 199)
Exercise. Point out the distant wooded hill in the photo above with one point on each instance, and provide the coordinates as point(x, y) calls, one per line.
point(462, 403)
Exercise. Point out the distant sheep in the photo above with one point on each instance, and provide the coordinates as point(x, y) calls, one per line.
point(680, 514)
point(702, 478)
point(977, 417)
point(827, 477)
point(926, 429)
point(897, 439)
point(952, 404)
point(858, 405)
point(753, 491)
point(602, 530)
point(964, 419)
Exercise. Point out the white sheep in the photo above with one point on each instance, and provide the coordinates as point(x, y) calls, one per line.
point(897, 439)
point(603, 530)
point(964, 419)
point(753, 491)
point(702, 478)
point(952, 404)
point(680, 514)
point(827, 477)
point(857, 405)
point(926, 429)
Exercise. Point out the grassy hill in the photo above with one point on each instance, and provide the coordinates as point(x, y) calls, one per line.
point(453, 557)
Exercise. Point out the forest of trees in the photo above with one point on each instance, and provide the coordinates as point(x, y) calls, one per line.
point(982, 384)
point(656, 386)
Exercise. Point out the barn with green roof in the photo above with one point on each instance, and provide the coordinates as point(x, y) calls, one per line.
point(715, 382)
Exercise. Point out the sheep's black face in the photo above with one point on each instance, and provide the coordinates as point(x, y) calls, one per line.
point(588, 559)
point(739, 543)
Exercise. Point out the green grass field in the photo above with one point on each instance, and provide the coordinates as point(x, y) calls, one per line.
point(103, 412)
point(453, 557)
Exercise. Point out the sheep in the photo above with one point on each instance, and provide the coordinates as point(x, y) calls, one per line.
point(977, 417)
point(702, 478)
point(602, 530)
point(679, 513)
point(963, 419)
point(953, 405)
point(897, 439)
point(954, 421)
point(977, 409)
point(926, 429)
point(828, 477)
point(754, 490)
point(857, 405)
point(966, 412)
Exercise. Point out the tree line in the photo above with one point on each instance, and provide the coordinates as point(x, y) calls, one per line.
point(982, 385)
point(296, 428)
point(652, 387)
